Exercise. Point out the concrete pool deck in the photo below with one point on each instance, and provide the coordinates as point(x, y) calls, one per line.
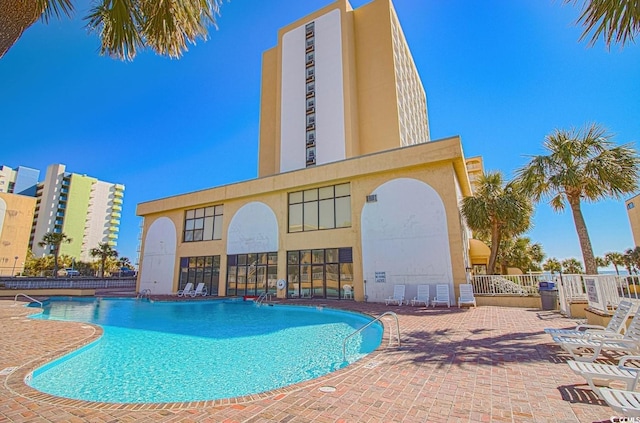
point(485, 364)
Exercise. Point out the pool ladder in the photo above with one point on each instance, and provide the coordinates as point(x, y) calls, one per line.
point(145, 293)
point(28, 297)
point(377, 319)
point(262, 298)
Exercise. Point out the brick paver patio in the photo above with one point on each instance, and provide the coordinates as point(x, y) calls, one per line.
point(488, 364)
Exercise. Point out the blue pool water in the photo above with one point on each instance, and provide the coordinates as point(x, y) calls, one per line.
point(193, 351)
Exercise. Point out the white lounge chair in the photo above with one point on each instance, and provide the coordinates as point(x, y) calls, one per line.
point(466, 295)
point(442, 295)
point(617, 324)
point(348, 291)
point(200, 290)
point(397, 297)
point(597, 374)
point(422, 297)
point(188, 288)
point(629, 343)
point(627, 403)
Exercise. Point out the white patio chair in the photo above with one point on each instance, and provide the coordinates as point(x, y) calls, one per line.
point(598, 375)
point(188, 288)
point(348, 291)
point(627, 403)
point(422, 297)
point(200, 290)
point(442, 295)
point(616, 325)
point(466, 295)
point(579, 347)
point(397, 297)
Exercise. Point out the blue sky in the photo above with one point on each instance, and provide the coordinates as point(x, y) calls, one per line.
point(502, 74)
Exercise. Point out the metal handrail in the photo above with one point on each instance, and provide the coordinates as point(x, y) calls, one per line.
point(261, 298)
point(377, 319)
point(25, 295)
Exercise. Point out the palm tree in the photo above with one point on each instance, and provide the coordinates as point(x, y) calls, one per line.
point(53, 240)
point(617, 20)
point(124, 262)
point(520, 253)
point(124, 27)
point(104, 251)
point(617, 259)
point(572, 266)
point(601, 261)
point(498, 210)
point(552, 265)
point(580, 165)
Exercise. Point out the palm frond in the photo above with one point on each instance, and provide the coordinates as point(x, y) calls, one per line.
point(613, 20)
point(119, 23)
point(57, 8)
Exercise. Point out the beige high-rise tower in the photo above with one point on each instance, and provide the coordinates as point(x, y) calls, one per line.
point(341, 83)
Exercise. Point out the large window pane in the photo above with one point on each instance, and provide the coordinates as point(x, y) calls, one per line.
point(295, 197)
point(293, 281)
point(327, 214)
point(342, 190)
point(272, 279)
point(295, 218)
point(305, 281)
point(310, 195)
point(208, 228)
point(325, 192)
point(331, 255)
point(217, 227)
point(332, 280)
point(311, 216)
point(317, 256)
point(305, 256)
point(343, 212)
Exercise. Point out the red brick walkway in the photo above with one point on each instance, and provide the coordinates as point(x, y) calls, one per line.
point(489, 364)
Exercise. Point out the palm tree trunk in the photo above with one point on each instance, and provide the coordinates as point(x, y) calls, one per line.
point(495, 244)
point(15, 17)
point(583, 237)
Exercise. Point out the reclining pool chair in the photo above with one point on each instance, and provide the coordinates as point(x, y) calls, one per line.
point(188, 289)
point(397, 297)
point(422, 296)
point(466, 295)
point(616, 325)
point(627, 403)
point(200, 290)
point(442, 296)
point(577, 346)
point(598, 375)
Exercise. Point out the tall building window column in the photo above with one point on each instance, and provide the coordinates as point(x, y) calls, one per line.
point(311, 94)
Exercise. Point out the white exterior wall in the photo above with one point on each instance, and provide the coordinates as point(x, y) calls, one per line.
point(253, 229)
point(405, 240)
point(48, 206)
point(329, 94)
point(158, 263)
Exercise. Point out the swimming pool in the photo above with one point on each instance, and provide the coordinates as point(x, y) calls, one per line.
point(200, 350)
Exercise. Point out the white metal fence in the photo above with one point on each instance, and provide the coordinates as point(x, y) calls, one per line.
point(76, 282)
point(602, 292)
point(507, 284)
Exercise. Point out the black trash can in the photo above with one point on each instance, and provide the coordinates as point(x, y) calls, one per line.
point(548, 295)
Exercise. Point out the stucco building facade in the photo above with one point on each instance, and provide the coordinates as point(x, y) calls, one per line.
point(352, 196)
